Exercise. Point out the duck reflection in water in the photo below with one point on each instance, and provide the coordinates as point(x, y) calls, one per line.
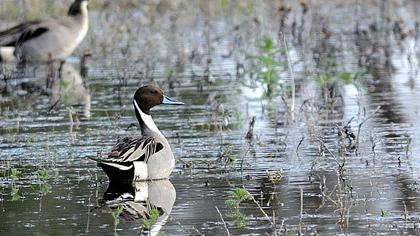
point(141, 200)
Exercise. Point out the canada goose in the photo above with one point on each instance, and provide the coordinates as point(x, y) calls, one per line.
point(44, 40)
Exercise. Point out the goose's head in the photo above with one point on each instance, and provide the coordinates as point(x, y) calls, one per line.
point(78, 7)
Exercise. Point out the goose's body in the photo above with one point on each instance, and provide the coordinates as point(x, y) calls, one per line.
point(148, 157)
point(44, 40)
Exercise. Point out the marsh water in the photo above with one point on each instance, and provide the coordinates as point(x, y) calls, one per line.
point(344, 160)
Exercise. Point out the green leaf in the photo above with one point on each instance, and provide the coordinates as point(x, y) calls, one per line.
point(44, 174)
point(15, 173)
point(153, 217)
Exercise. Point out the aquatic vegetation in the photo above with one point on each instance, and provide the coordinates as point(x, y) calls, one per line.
point(226, 155)
point(115, 216)
point(224, 3)
point(45, 188)
point(15, 174)
point(15, 193)
point(330, 76)
point(152, 219)
point(265, 68)
point(385, 213)
point(274, 177)
point(236, 197)
point(44, 175)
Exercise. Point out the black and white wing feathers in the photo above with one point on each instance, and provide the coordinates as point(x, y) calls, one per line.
point(22, 33)
point(131, 149)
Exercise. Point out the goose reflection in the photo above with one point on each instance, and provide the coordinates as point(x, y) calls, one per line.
point(139, 199)
point(71, 90)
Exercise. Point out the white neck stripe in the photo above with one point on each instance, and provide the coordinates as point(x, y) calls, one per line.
point(147, 119)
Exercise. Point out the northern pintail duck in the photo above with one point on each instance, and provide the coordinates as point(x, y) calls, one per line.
point(148, 157)
point(44, 40)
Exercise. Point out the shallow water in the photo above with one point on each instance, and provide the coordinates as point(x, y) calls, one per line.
point(50, 186)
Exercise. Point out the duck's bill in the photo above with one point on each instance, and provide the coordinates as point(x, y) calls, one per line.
point(171, 101)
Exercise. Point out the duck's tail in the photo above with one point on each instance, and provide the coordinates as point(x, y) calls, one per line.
point(103, 160)
point(116, 172)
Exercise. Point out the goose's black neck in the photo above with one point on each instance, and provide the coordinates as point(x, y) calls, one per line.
point(75, 8)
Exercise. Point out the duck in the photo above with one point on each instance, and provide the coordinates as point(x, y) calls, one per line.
point(147, 157)
point(46, 40)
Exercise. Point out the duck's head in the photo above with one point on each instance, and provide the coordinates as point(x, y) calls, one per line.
point(149, 96)
point(78, 7)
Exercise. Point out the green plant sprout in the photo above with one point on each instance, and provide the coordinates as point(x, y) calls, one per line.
point(385, 213)
point(153, 217)
point(44, 188)
point(15, 193)
point(43, 175)
point(115, 216)
point(274, 177)
point(266, 68)
point(227, 156)
point(236, 197)
point(15, 173)
point(331, 76)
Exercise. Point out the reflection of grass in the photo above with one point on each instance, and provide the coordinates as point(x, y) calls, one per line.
point(236, 197)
